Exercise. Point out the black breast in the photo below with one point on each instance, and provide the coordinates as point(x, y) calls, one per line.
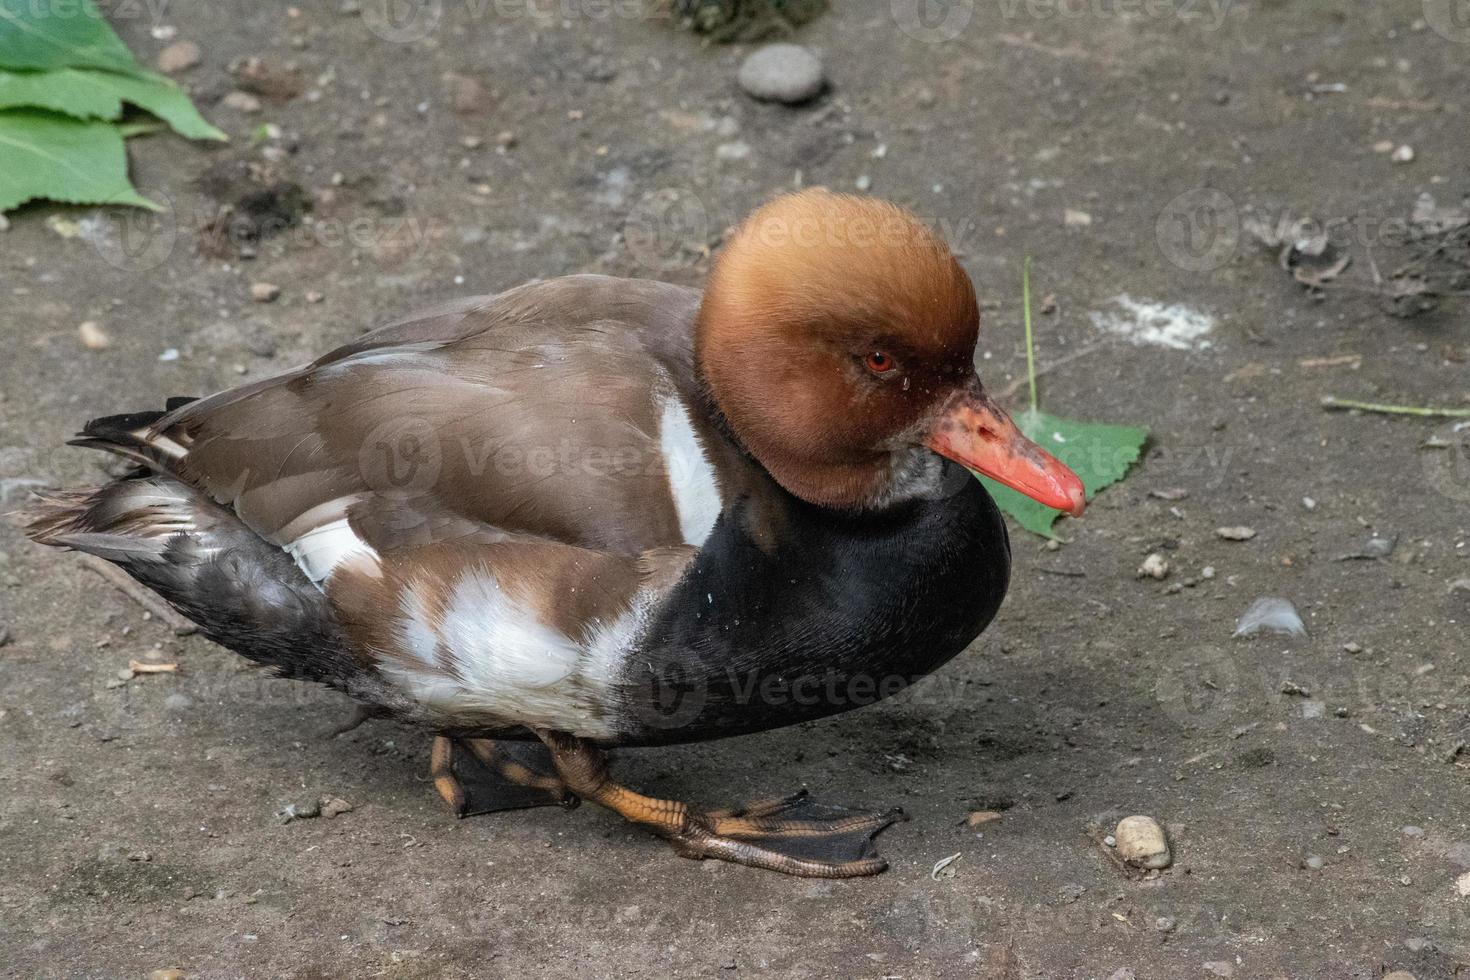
point(845, 611)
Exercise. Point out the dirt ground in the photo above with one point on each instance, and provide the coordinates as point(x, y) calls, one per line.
point(1313, 788)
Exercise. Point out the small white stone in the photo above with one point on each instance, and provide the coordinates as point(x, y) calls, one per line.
point(242, 102)
point(1155, 566)
point(1309, 503)
point(1404, 154)
point(1141, 842)
point(264, 292)
point(1237, 533)
point(1208, 572)
point(1073, 218)
point(1462, 885)
point(735, 150)
point(93, 336)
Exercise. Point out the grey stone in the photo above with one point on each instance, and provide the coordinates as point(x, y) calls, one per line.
point(786, 73)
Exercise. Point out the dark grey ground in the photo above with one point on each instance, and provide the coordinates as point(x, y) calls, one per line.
point(1094, 695)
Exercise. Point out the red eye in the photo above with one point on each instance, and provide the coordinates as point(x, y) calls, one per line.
point(879, 362)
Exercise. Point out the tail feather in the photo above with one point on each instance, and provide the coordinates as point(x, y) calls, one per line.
point(136, 435)
point(242, 591)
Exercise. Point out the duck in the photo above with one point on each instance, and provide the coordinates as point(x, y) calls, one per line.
point(589, 512)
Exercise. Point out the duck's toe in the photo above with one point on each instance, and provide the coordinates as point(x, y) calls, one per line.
point(794, 835)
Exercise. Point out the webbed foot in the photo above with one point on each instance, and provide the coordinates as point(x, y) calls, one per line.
point(495, 776)
point(794, 835)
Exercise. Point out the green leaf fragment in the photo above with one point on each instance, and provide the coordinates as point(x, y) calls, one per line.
point(89, 93)
point(1097, 452)
point(48, 34)
point(43, 154)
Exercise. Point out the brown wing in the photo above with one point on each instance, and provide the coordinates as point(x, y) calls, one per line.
point(533, 412)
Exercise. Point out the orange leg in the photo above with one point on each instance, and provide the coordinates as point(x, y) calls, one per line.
point(515, 784)
point(792, 835)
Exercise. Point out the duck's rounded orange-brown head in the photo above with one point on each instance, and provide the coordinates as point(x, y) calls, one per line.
point(837, 335)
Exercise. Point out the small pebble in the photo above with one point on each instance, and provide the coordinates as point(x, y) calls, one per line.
point(1072, 218)
point(1412, 831)
point(1155, 566)
point(333, 806)
point(1383, 146)
point(1309, 503)
point(505, 139)
point(242, 102)
point(313, 296)
point(170, 974)
point(1315, 862)
point(1166, 924)
point(93, 336)
point(4, 223)
point(1351, 647)
point(1207, 573)
point(980, 818)
point(264, 292)
point(1462, 885)
point(1404, 154)
point(1219, 968)
point(786, 73)
point(1238, 533)
point(177, 57)
point(1399, 975)
point(169, 354)
point(1141, 842)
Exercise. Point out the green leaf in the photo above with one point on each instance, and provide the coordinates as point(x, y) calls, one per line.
point(1097, 452)
point(93, 94)
point(74, 161)
point(59, 34)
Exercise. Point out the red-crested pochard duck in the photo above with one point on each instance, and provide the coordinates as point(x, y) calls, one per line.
point(592, 512)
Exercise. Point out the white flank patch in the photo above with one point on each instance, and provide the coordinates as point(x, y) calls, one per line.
point(323, 548)
point(506, 666)
point(691, 478)
point(1162, 324)
point(498, 645)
